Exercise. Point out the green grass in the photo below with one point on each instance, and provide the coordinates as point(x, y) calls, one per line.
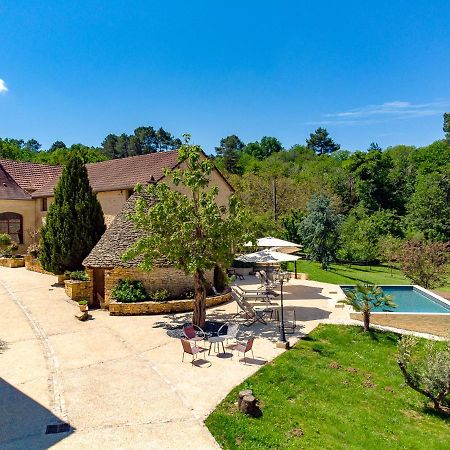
point(369, 408)
point(344, 274)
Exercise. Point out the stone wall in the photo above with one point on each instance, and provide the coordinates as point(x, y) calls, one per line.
point(79, 290)
point(34, 265)
point(12, 262)
point(173, 306)
point(438, 324)
point(174, 280)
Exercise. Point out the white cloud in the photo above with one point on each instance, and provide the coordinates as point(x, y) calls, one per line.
point(3, 87)
point(384, 112)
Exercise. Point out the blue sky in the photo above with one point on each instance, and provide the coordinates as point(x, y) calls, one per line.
point(367, 71)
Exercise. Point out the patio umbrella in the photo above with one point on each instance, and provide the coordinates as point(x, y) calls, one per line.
point(267, 256)
point(279, 245)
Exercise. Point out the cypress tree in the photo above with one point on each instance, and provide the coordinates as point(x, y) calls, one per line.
point(74, 222)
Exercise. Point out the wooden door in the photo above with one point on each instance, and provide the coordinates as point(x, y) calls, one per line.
point(99, 288)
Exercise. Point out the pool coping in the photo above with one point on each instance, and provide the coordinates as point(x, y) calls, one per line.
point(427, 293)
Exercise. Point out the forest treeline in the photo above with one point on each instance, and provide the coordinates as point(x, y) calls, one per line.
point(377, 196)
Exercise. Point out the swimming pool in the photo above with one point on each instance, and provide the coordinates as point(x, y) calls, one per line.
point(411, 299)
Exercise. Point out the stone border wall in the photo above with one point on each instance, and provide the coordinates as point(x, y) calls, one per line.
point(172, 306)
point(438, 324)
point(12, 262)
point(174, 280)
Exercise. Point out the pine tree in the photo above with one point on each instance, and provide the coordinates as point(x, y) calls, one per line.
point(446, 126)
point(321, 143)
point(74, 222)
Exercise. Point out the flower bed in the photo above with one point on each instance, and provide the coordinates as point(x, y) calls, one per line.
point(12, 262)
point(171, 306)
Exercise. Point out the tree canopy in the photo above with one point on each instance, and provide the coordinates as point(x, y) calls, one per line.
point(144, 140)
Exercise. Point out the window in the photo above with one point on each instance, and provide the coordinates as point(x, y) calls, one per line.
point(44, 204)
point(12, 224)
point(129, 193)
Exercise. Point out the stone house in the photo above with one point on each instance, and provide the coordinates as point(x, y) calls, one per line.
point(105, 266)
point(26, 189)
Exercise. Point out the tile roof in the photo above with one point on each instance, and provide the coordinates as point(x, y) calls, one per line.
point(122, 173)
point(9, 189)
point(117, 238)
point(30, 176)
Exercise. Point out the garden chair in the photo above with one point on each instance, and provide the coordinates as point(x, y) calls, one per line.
point(290, 321)
point(255, 294)
point(187, 348)
point(244, 348)
point(228, 331)
point(267, 283)
point(252, 313)
point(194, 333)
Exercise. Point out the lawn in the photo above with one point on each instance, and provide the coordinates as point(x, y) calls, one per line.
point(308, 403)
point(344, 274)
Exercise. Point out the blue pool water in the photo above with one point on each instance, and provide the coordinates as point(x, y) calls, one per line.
point(410, 299)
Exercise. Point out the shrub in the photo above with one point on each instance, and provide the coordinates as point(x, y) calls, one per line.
point(78, 275)
point(427, 371)
point(129, 291)
point(5, 239)
point(82, 302)
point(160, 295)
point(7, 246)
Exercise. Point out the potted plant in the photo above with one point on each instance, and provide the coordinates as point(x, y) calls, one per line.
point(83, 304)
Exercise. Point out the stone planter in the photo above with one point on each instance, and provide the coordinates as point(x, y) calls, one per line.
point(34, 265)
point(12, 262)
point(60, 279)
point(79, 290)
point(84, 308)
point(171, 306)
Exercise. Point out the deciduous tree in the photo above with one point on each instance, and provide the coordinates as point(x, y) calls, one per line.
point(190, 231)
point(427, 371)
point(429, 206)
point(424, 262)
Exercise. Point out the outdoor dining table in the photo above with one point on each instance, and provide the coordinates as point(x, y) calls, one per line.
point(215, 341)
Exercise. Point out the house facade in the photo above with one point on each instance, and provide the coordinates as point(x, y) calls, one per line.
point(27, 189)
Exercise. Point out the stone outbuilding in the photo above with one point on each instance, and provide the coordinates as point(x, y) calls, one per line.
point(105, 266)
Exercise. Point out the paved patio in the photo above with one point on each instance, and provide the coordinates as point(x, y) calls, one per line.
point(119, 381)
